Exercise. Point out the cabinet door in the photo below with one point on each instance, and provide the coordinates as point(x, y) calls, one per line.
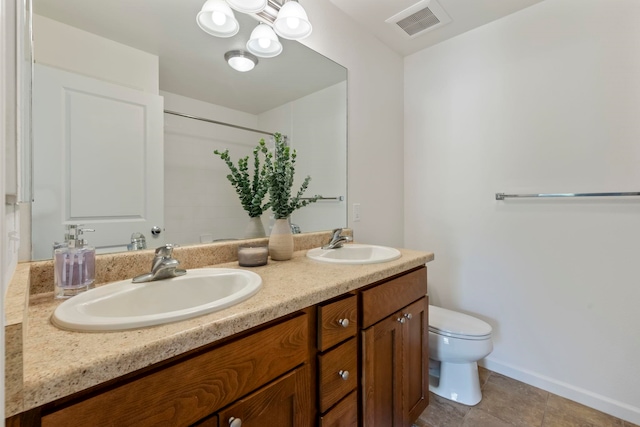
point(382, 373)
point(285, 402)
point(415, 366)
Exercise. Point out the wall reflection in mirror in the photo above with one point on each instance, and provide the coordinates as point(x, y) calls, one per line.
point(107, 155)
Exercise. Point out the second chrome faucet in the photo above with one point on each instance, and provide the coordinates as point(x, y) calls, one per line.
point(337, 240)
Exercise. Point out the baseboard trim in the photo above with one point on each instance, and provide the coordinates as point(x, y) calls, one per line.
point(593, 400)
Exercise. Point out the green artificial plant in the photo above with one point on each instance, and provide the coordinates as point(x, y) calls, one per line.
point(251, 191)
point(281, 171)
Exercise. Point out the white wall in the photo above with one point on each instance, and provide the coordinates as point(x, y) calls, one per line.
point(71, 49)
point(199, 200)
point(316, 127)
point(8, 147)
point(9, 212)
point(545, 100)
point(375, 120)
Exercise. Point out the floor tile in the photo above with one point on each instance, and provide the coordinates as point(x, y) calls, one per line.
point(442, 413)
point(484, 375)
point(513, 402)
point(479, 418)
point(507, 402)
point(563, 412)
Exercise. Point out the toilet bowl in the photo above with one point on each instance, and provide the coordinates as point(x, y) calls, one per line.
point(456, 342)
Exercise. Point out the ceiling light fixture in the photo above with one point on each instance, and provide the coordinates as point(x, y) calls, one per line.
point(248, 6)
point(217, 18)
point(264, 42)
point(240, 60)
point(292, 22)
point(286, 18)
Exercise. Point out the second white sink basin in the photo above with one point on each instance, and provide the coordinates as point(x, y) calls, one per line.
point(355, 254)
point(126, 305)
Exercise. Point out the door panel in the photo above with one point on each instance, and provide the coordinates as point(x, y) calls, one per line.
point(416, 363)
point(98, 160)
point(382, 373)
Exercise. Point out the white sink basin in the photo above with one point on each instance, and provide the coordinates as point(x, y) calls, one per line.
point(354, 254)
point(126, 305)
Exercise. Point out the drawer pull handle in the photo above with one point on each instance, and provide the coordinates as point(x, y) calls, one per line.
point(401, 319)
point(235, 422)
point(408, 316)
point(344, 375)
point(344, 323)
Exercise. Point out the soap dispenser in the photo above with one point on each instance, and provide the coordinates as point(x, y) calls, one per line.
point(74, 263)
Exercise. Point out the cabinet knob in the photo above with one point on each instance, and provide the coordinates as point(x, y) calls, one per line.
point(343, 322)
point(235, 422)
point(401, 319)
point(408, 316)
point(344, 375)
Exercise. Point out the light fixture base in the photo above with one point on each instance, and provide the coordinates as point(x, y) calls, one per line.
point(240, 60)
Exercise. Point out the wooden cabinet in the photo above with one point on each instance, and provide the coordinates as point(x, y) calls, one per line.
point(395, 388)
point(357, 360)
point(192, 389)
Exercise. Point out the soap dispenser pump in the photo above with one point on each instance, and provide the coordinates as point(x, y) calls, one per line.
point(74, 263)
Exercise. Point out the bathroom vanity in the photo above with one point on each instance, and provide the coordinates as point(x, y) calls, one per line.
point(327, 345)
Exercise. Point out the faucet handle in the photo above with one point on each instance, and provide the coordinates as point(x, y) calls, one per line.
point(165, 251)
point(336, 233)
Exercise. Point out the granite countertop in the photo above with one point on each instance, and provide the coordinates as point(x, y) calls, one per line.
point(58, 363)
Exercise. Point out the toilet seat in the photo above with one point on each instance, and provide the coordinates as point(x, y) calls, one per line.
point(457, 325)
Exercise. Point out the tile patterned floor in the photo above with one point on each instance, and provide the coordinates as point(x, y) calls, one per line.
point(507, 402)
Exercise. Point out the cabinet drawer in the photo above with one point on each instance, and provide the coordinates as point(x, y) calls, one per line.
point(389, 297)
point(332, 385)
point(337, 321)
point(189, 390)
point(344, 414)
point(286, 402)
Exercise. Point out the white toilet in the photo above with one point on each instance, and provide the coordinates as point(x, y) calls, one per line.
point(456, 342)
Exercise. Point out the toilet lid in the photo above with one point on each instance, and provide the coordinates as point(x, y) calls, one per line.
point(457, 325)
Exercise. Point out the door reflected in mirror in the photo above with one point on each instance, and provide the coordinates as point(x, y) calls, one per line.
point(105, 153)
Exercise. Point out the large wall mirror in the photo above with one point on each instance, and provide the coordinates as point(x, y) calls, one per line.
point(110, 152)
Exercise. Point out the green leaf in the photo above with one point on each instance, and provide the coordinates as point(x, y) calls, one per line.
point(250, 190)
point(281, 167)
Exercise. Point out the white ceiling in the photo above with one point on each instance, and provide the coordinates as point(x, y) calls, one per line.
point(191, 61)
point(465, 15)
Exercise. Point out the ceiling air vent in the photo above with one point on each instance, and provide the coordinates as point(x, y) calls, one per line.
point(421, 17)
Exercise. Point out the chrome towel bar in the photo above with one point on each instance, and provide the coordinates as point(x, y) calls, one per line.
point(337, 198)
point(502, 196)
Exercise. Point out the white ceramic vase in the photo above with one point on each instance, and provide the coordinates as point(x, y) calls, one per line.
point(281, 241)
point(254, 228)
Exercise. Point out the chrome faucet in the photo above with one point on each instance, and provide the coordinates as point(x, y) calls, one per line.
point(337, 240)
point(164, 266)
point(295, 228)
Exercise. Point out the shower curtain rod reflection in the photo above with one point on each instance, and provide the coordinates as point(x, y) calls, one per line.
point(188, 116)
point(502, 196)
